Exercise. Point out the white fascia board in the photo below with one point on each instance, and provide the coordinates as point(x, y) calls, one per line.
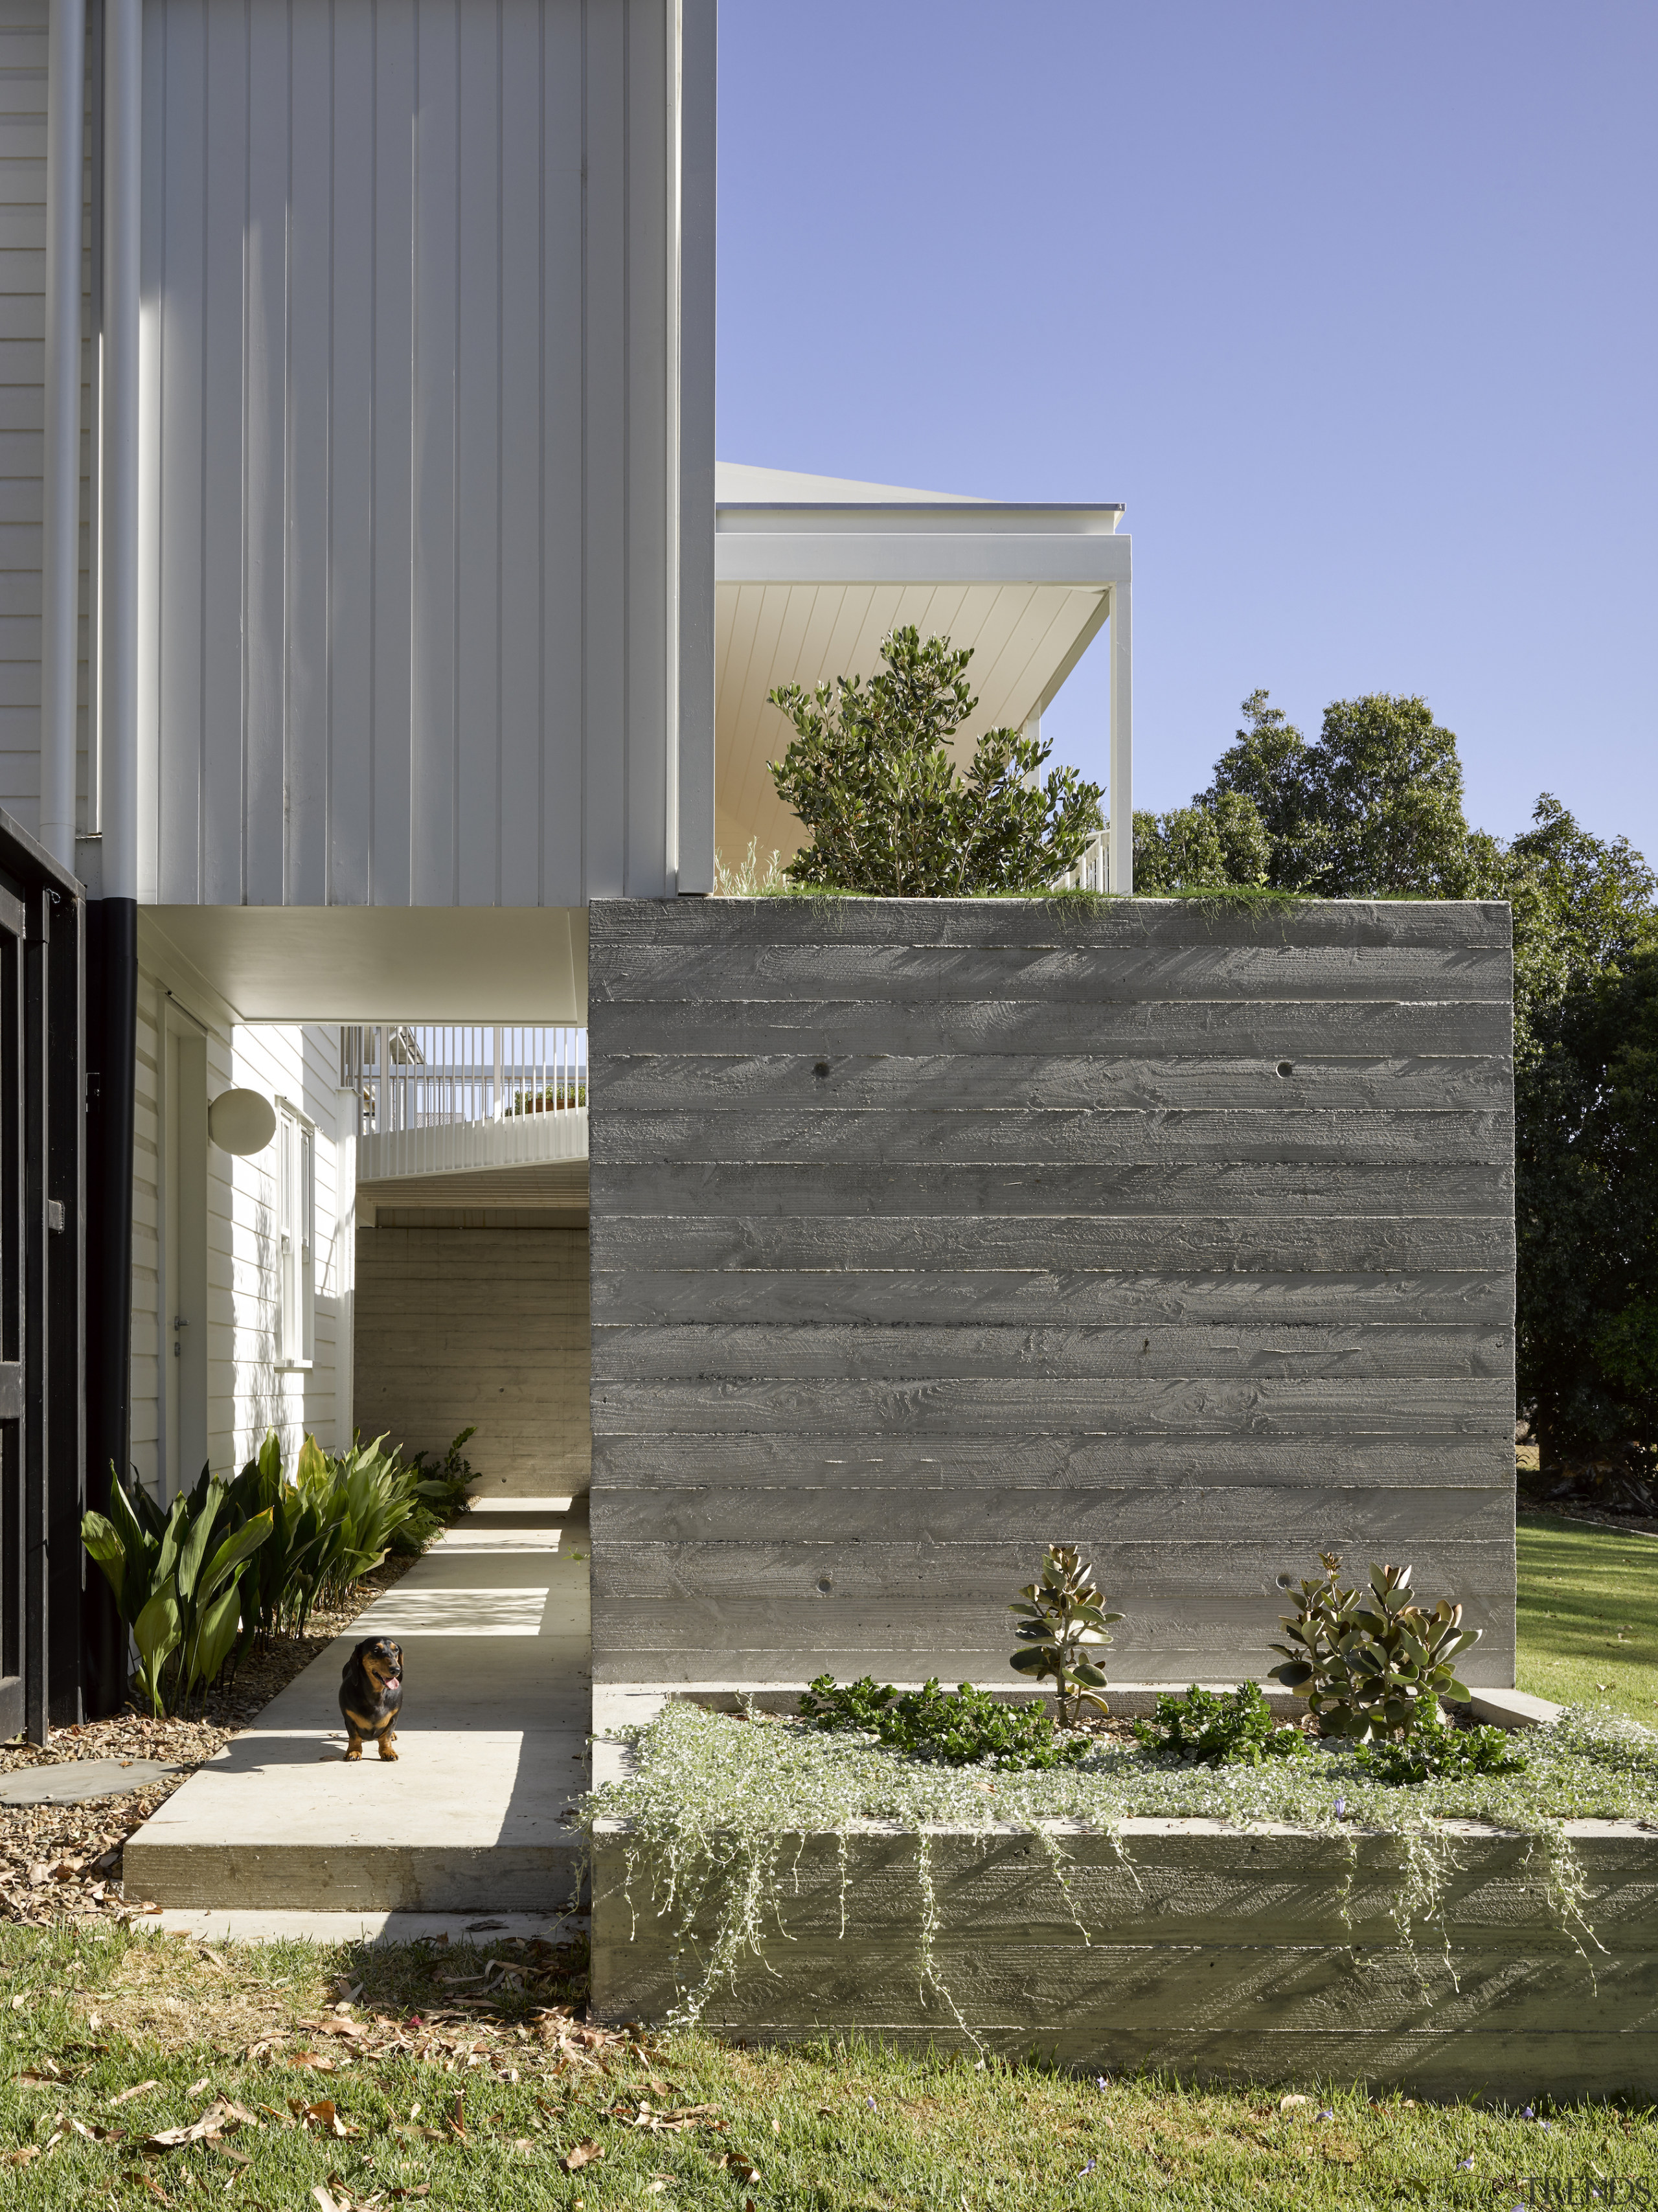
point(893, 557)
point(910, 518)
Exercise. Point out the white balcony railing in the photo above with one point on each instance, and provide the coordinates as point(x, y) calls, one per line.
point(421, 1075)
point(1089, 870)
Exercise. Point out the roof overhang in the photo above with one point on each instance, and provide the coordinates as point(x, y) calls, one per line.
point(371, 963)
point(810, 573)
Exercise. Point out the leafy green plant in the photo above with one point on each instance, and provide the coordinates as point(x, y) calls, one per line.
point(335, 1518)
point(1366, 1663)
point(960, 1727)
point(1431, 1748)
point(176, 1588)
point(555, 1098)
point(871, 775)
point(1061, 1620)
point(1315, 1630)
point(445, 1486)
point(365, 1496)
point(282, 1576)
point(1212, 1727)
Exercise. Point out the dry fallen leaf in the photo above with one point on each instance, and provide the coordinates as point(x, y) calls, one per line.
point(583, 2154)
point(196, 2088)
point(138, 2089)
point(95, 2134)
point(325, 2115)
point(23, 2155)
point(172, 2138)
point(222, 2116)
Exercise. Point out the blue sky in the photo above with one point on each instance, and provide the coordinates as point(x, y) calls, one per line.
point(1354, 308)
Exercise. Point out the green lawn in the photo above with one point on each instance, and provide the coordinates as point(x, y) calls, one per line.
point(1589, 1615)
point(806, 2130)
point(484, 2108)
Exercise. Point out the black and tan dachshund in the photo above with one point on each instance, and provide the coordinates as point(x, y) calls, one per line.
point(370, 1695)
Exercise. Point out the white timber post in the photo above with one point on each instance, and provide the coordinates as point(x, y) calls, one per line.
point(60, 550)
point(118, 478)
point(347, 1106)
point(1119, 855)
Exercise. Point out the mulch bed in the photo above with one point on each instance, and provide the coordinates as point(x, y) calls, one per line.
point(63, 1862)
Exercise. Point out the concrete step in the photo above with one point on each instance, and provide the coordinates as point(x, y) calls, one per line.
point(492, 1744)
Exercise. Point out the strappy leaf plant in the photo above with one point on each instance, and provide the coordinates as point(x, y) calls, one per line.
point(1370, 1662)
point(176, 1576)
point(1062, 1620)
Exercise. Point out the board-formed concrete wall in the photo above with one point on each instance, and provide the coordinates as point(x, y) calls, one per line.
point(1266, 1956)
point(927, 1233)
point(457, 1327)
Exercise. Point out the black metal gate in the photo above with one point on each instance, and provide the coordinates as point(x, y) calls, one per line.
point(42, 1233)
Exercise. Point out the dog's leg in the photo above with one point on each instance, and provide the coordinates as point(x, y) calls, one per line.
point(388, 1747)
point(354, 1749)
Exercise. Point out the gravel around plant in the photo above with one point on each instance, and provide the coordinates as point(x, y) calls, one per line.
point(63, 1862)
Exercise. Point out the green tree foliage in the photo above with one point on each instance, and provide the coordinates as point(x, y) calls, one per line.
point(1373, 805)
point(870, 773)
point(1581, 906)
point(1586, 1161)
point(1214, 844)
point(1373, 808)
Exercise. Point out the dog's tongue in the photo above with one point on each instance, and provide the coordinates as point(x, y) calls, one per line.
point(393, 1682)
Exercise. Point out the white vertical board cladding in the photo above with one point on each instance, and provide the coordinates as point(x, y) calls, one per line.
point(250, 1390)
point(23, 39)
point(411, 433)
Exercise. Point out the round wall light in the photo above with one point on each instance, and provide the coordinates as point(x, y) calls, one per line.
point(241, 1121)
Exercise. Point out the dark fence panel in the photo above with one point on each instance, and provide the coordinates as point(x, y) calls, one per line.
point(42, 1286)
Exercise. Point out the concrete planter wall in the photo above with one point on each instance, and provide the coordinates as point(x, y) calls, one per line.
point(926, 1233)
point(1220, 1953)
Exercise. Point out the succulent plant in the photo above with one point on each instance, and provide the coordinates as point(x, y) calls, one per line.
point(1062, 1619)
point(1369, 1662)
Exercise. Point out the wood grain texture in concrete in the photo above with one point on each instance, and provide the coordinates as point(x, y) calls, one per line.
point(925, 1233)
point(1212, 1952)
point(492, 1743)
point(478, 1328)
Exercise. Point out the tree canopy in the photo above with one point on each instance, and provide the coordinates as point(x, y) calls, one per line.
point(870, 773)
point(1373, 808)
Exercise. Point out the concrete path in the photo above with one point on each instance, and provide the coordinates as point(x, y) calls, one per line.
point(497, 1704)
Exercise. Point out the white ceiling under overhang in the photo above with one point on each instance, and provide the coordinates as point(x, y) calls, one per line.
point(811, 572)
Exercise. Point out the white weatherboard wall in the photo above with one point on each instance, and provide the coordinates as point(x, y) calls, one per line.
point(418, 410)
point(23, 29)
point(247, 1389)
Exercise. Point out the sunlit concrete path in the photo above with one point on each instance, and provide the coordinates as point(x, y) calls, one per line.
point(494, 1624)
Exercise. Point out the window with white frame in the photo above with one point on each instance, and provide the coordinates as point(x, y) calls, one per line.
point(296, 1141)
